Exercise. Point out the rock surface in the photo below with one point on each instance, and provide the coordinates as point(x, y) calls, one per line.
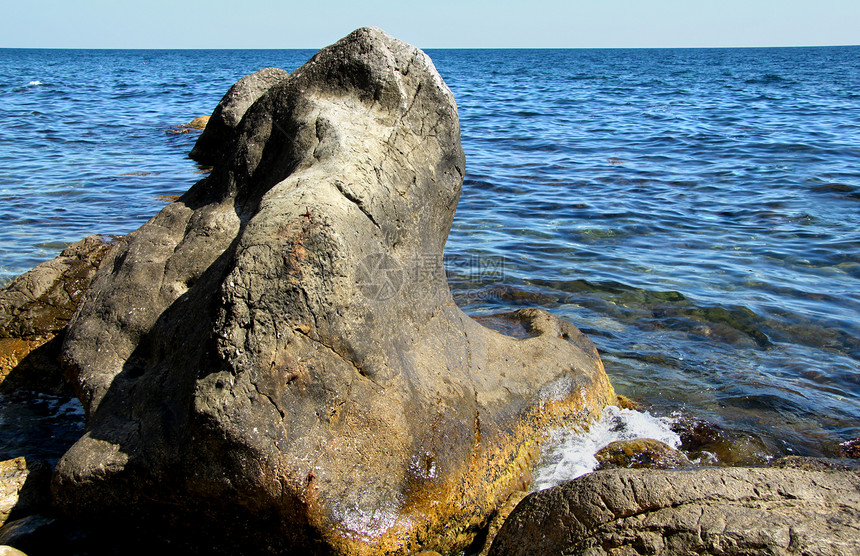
point(212, 146)
point(199, 122)
point(24, 488)
point(10, 551)
point(275, 360)
point(640, 452)
point(801, 508)
point(34, 311)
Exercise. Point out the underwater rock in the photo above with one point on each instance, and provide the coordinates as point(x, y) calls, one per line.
point(213, 144)
point(690, 511)
point(850, 449)
point(275, 361)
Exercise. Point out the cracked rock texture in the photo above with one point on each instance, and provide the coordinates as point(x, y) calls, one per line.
point(275, 361)
point(802, 508)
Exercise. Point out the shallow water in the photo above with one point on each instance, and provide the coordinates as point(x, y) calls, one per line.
point(695, 212)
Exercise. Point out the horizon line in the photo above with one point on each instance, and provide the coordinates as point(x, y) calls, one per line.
point(440, 47)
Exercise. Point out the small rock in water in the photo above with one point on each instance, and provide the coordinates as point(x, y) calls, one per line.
point(850, 449)
point(198, 123)
point(708, 443)
point(640, 452)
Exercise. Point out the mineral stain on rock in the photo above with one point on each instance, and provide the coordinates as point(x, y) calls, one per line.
point(244, 379)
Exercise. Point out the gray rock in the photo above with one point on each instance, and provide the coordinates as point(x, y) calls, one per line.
point(806, 509)
point(213, 144)
point(275, 360)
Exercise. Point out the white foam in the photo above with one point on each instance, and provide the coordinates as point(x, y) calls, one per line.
point(36, 82)
point(569, 454)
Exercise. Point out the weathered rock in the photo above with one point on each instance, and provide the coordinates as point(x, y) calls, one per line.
point(34, 310)
point(212, 146)
point(24, 488)
point(690, 511)
point(640, 452)
point(276, 361)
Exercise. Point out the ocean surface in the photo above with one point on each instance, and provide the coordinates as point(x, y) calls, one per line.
point(695, 211)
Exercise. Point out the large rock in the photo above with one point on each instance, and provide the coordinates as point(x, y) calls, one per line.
point(212, 146)
point(34, 311)
point(802, 508)
point(276, 358)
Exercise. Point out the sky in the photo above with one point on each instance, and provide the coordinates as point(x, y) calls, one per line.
point(430, 24)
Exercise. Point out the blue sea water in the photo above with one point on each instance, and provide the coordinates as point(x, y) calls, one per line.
point(695, 211)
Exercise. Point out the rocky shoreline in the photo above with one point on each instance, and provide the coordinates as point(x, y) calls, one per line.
point(274, 363)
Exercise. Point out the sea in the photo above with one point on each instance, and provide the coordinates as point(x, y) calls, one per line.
point(696, 212)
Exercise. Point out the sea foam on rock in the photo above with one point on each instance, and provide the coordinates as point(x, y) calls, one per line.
point(275, 360)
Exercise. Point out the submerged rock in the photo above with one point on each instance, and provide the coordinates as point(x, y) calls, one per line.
point(275, 360)
point(213, 144)
point(813, 510)
point(850, 449)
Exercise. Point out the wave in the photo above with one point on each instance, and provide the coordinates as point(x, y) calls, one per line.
point(569, 453)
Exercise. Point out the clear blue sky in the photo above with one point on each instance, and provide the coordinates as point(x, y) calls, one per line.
point(429, 24)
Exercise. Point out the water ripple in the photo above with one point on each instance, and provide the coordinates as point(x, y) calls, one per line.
point(695, 211)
